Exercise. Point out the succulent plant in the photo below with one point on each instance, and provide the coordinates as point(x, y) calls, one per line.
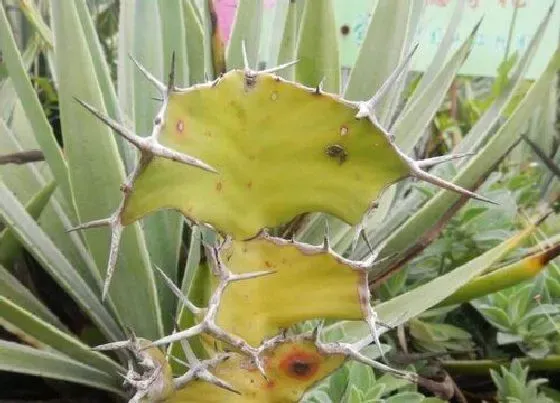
point(282, 178)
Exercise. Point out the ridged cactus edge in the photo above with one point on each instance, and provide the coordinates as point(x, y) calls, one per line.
point(241, 154)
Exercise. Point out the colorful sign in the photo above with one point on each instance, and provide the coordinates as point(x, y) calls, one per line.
point(352, 16)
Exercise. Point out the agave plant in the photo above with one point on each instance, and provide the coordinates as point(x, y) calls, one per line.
point(278, 176)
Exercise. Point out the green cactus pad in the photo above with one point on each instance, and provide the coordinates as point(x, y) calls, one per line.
point(307, 282)
point(280, 150)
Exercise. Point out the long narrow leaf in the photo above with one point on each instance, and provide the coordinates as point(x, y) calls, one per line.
point(103, 77)
point(477, 167)
point(162, 229)
point(33, 109)
point(174, 39)
point(378, 58)
point(483, 127)
point(27, 360)
point(504, 277)
point(288, 46)
point(9, 245)
point(13, 214)
point(194, 43)
point(317, 48)
point(25, 181)
point(439, 58)
point(96, 174)
point(410, 125)
point(125, 69)
point(406, 306)
point(49, 335)
point(35, 19)
point(246, 29)
point(11, 288)
point(8, 95)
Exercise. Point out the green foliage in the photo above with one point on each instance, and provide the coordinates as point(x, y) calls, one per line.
point(514, 386)
point(248, 126)
point(357, 383)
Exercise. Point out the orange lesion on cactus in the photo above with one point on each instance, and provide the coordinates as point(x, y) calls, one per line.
point(300, 364)
point(274, 137)
point(292, 368)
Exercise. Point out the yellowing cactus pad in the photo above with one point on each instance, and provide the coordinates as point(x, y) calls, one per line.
point(291, 367)
point(279, 150)
point(306, 282)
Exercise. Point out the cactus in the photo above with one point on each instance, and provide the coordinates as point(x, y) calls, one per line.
point(243, 156)
point(244, 141)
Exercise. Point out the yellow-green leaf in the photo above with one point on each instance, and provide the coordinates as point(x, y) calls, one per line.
point(503, 277)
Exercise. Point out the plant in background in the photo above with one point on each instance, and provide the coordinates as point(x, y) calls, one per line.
point(275, 172)
point(514, 386)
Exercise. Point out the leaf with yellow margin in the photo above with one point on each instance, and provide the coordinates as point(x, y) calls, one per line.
point(280, 149)
point(307, 282)
point(291, 368)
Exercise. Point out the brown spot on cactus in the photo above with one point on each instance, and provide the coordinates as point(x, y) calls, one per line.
point(343, 130)
point(300, 364)
point(338, 152)
point(219, 186)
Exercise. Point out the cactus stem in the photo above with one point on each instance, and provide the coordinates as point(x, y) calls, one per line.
point(207, 324)
point(367, 108)
point(149, 76)
point(429, 162)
